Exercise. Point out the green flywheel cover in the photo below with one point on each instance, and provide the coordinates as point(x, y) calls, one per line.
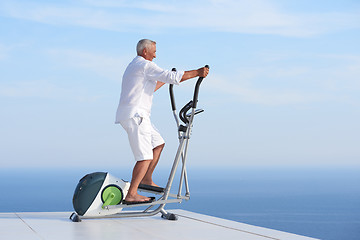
point(111, 195)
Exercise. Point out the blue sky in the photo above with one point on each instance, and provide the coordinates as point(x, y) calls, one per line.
point(283, 90)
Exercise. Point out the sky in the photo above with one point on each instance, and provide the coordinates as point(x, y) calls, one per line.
point(283, 87)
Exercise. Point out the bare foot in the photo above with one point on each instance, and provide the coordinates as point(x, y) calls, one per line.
point(136, 198)
point(150, 183)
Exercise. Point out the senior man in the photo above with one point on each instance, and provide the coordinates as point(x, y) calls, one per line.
point(141, 79)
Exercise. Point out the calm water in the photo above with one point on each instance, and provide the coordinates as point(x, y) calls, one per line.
point(320, 203)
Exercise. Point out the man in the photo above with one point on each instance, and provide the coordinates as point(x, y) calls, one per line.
point(141, 79)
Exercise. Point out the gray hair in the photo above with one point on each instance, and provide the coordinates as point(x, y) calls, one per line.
point(142, 44)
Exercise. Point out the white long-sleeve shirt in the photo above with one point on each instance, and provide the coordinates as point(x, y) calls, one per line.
point(138, 85)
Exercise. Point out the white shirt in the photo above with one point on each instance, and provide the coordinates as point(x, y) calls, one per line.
point(138, 85)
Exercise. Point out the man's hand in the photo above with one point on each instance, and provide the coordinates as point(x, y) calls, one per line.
point(203, 72)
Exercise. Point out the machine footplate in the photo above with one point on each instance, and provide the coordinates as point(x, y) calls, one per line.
point(151, 188)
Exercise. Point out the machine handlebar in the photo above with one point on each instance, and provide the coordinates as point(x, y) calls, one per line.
point(171, 91)
point(196, 92)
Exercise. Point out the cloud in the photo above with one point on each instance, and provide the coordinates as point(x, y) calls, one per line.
point(44, 90)
point(4, 51)
point(156, 6)
point(254, 17)
point(343, 73)
point(330, 78)
point(263, 96)
point(103, 65)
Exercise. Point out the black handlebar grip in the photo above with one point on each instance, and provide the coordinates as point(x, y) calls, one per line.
point(196, 92)
point(172, 99)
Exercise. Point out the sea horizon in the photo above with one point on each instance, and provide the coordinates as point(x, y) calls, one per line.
point(317, 202)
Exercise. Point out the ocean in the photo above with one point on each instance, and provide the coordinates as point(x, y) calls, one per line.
point(322, 203)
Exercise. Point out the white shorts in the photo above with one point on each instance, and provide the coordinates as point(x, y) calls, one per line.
point(143, 136)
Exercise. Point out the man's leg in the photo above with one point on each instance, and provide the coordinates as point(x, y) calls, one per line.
point(142, 172)
point(140, 169)
point(156, 156)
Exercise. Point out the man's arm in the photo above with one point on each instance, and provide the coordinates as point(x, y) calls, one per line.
point(158, 85)
point(201, 72)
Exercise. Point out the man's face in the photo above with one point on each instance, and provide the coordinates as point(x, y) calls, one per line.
point(150, 53)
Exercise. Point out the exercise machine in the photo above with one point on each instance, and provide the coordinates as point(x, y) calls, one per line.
point(101, 195)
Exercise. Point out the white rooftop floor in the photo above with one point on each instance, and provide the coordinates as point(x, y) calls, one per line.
point(56, 225)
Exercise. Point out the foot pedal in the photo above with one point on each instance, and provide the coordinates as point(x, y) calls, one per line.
point(151, 188)
point(138, 202)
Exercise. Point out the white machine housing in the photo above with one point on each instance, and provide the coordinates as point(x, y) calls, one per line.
point(95, 209)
